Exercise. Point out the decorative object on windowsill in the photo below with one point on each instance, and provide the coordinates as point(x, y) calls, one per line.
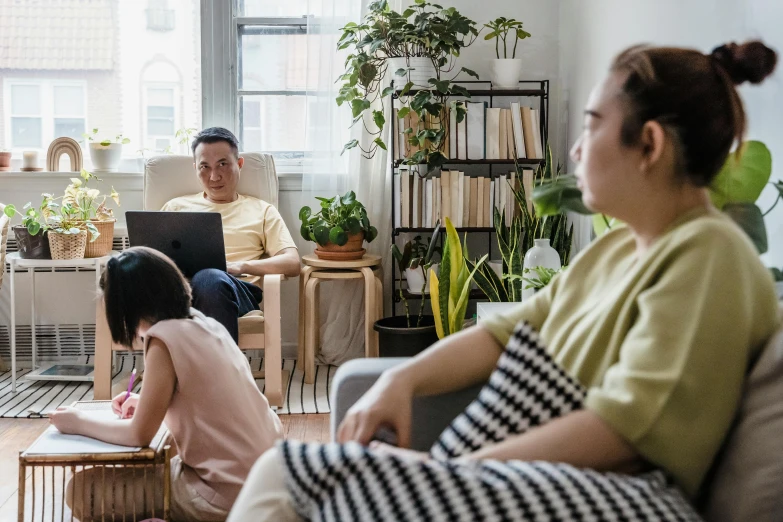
point(31, 236)
point(399, 336)
point(339, 228)
point(515, 239)
point(5, 160)
point(542, 259)
point(68, 146)
point(505, 72)
point(389, 42)
point(450, 293)
point(107, 153)
point(734, 191)
point(30, 161)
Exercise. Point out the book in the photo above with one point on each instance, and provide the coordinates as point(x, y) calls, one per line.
point(490, 208)
point(453, 133)
point(466, 201)
point(529, 126)
point(445, 195)
point(519, 135)
point(480, 215)
point(476, 129)
point(405, 219)
point(397, 199)
point(428, 222)
point(455, 213)
point(493, 133)
point(502, 136)
point(528, 175)
point(511, 202)
point(413, 123)
point(416, 202)
point(539, 146)
point(473, 202)
point(462, 137)
point(510, 135)
point(436, 201)
point(501, 195)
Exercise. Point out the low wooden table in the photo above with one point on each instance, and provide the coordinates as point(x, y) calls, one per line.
point(315, 270)
point(145, 460)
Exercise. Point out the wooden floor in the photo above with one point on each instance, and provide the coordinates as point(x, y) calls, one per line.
point(17, 434)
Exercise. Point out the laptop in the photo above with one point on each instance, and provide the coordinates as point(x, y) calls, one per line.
point(193, 240)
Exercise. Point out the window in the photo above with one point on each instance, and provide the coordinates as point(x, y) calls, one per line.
point(42, 110)
point(138, 73)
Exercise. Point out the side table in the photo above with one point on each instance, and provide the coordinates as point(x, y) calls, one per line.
point(16, 262)
point(315, 270)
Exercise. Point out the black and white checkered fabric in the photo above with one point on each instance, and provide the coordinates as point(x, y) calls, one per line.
point(349, 482)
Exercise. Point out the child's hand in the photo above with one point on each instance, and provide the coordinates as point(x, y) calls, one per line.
point(66, 419)
point(124, 409)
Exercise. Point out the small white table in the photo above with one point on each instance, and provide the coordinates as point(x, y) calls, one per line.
point(16, 262)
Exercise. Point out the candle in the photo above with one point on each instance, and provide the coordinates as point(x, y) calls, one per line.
point(30, 159)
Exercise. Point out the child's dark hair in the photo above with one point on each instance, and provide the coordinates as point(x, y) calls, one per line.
point(142, 284)
point(214, 135)
point(693, 95)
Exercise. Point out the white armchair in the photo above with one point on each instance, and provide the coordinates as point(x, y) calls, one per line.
point(167, 177)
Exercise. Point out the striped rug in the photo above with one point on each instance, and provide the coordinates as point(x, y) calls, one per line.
point(35, 399)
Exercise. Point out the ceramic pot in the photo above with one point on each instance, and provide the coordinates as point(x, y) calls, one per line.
point(505, 73)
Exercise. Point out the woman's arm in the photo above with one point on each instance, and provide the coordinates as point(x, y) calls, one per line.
point(159, 382)
point(582, 439)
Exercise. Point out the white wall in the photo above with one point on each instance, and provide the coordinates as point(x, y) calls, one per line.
point(592, 33)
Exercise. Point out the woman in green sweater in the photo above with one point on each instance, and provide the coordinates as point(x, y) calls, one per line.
point(619, 381)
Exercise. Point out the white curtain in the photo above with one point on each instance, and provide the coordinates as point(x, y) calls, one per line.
point(328, 173)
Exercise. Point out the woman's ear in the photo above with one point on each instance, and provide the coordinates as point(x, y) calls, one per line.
point(653, 143)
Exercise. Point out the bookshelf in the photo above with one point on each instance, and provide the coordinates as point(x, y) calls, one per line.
point(479, 91)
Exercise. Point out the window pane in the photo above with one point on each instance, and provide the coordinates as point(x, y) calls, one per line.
point(26, 100)
point(281, 120)
point(162, 144)
point(68, 100)
point(278, 7)
point(70, 127)
point(160, 96)
point(251, 113)
point(274, 61)
point(160, 112)
point(26, 132)
point(160, 127)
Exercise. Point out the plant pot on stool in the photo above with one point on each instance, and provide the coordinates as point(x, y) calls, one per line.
point(32, 246)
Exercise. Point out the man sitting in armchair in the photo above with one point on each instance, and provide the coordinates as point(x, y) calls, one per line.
point(251, 229)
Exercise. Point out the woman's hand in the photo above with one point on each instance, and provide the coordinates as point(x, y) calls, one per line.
point(123, 408)
point(387, 403)
point(66, 419)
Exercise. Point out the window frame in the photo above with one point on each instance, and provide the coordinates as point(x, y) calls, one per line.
point(47, 115)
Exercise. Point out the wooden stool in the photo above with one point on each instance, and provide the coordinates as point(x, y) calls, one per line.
point(316, 270)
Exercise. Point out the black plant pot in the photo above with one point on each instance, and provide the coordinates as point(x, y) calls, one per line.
point(395, 339)
point(32, 247)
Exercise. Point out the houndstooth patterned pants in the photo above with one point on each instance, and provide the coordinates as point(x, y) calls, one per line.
point(346, 482)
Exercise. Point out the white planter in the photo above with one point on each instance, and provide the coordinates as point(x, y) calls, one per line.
point(420, 74)
point(540, 255)
point(105, 158)
point(505, 73)
point(497, 267)
point(416, 279)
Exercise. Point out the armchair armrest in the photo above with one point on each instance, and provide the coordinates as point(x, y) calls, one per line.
point(254, 280)
point(431, 414)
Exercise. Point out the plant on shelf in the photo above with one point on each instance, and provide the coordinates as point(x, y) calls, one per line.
point(31, 236)
point(107, 153)
point(518, 236)
point(734, 191)
point(415, 257)
point(338, 228)
point(450, 292)
point(92, 137)
point(505, 71)
point(418, 47)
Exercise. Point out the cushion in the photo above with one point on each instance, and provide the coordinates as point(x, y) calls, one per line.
point(747, 483)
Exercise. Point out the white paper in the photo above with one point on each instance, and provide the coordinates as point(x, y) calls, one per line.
point(52, 442)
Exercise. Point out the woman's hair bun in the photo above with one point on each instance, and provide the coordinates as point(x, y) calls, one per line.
point(748, 62)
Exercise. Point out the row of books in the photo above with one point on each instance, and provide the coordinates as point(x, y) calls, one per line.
point(485, 133)
point(467, 201)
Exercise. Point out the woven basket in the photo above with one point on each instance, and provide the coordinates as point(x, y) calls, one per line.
point(101, 246)
point(67, 246)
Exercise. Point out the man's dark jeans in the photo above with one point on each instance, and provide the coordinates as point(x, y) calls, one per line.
point(223, 297)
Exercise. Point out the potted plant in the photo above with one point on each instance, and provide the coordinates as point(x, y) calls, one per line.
point(418, 48)
point(107, 153)
point(339, 228)
point(68, 231)
point(5, 159)
point(451, 292)
point(31, 236)
point(504, 71)
point(399, 336)
point(90, 206)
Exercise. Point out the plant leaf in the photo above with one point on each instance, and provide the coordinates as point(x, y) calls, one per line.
point(748, 217)
point(435, 303)
point(743, 176)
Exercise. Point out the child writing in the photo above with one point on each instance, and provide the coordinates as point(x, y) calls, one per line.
point(196, 379)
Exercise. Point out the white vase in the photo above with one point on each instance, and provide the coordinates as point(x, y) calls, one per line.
point(105, 158)
point(543, 255)
point(505, 73)
point(421, 72)
point(416, 279)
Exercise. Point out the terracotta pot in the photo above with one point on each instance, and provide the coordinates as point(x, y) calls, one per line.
point(101, 246)
point(5, 161)
point(32, 247)
point(351, 250)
